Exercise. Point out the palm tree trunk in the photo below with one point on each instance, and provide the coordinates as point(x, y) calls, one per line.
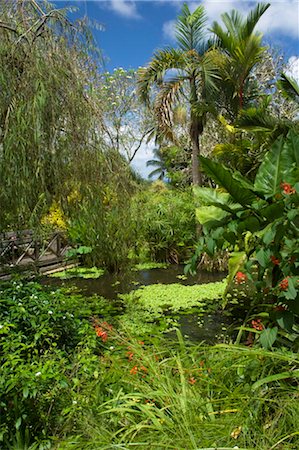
point(194, 135)
point(196, 129)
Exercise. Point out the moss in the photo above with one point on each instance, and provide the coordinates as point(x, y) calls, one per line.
point(79, 272)
point(175, 297)
point(154, 308)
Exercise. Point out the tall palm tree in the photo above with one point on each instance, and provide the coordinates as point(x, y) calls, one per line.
point(193, 79)
point(158, 163)
point(242, 50)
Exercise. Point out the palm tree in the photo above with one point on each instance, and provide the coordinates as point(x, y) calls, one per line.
point(242, 50)
point(193, 79)
point(158, 163)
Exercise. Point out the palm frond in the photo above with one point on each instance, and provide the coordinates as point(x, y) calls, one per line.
point(154, 73)
point(253, 18)
point(289, 87)
point(190, 28)
point(165, 100)
point(257, 119)
point(160, 172)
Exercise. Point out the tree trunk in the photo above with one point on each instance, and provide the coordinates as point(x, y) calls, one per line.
point(196, 129)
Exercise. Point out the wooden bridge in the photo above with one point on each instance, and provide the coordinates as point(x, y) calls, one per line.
point(23, 250)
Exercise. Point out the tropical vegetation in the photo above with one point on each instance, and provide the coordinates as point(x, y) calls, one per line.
point(168, 358)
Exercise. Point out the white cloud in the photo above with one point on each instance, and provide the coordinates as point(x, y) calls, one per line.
point(281, 16)
point(143, 155)
point(293, 67)
point(168, 30)
point(124, 8)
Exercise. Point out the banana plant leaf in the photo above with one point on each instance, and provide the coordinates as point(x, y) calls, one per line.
point(207, 214)
point(222, 176)
point(278, 166)
point(213, 197)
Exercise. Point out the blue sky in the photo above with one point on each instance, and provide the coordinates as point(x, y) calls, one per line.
point(134, 29)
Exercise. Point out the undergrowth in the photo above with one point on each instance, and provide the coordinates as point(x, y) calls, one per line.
point(190, 397)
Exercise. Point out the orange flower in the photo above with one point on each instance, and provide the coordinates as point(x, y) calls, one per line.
point(134, 370)
point(192, 380)
point(130, 356)
point(284, 284)
point(257, 324)
point(241, 277)
point(275, 261)
point(287, 188)
point(101, 333)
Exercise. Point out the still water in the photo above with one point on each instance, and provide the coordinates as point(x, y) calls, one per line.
point(213, 325)
point(110, 285)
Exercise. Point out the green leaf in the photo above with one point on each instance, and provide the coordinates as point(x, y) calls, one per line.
point(263, 257)
point(206, 214)
point(273, 211)
point(25, 392)
point(269, 234)
point(275, 168)
point(18, 423)
point(291, 293)
point(250, 224)
point(222, 176)
point(268, 337)
point(293, 145)
point(285, 320)
point(276, 377)
point(214, 197)
point(235, 262)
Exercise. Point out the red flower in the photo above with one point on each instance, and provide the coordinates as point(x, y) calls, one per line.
point(130, 356)
point(257, 324)
point(275, 261)
point(101, 333)
point(287, 188)
point(284, 284)
point(241, 277)
point(134, 370)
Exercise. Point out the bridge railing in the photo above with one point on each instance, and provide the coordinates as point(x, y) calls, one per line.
point(23, 248)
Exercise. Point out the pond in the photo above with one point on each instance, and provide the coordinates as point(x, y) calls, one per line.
point(111, 285)
point(196, 326)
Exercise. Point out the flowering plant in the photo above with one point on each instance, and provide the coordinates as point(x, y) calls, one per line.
point(258, 223)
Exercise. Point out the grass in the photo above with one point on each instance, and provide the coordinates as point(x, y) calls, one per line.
point(189, 397)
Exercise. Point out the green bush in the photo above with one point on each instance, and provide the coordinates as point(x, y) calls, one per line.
point(164, 224)
point(48, 352)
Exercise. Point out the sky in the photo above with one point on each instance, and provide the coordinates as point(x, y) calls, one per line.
point(133, 30)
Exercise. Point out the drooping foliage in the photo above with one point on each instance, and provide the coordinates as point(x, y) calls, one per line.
point(48, 117)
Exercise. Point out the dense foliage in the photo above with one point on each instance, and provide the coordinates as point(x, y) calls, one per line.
point(259, 223)
point(84, 372)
